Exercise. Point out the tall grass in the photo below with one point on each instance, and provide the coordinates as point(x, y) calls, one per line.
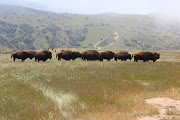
point(85, 89)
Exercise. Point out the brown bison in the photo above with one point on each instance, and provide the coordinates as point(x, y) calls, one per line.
point(68, 55)
point(64, 54)
point(19, 55)
point(155, 56)
point(108, 55)
point(144, 55)
point(91, 55)
point(123, 55)
point(31, 54)
point(75, 55)
point(43, 55)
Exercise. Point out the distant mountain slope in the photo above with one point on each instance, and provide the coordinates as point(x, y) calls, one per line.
point(24, 28)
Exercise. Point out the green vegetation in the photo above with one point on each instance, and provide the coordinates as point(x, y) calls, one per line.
point(24, 28)
point(85, 89)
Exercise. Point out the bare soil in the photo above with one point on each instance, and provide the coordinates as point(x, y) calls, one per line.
point(163, 104)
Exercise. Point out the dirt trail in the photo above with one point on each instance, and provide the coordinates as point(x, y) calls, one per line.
point(163, 104)
point(116, 37)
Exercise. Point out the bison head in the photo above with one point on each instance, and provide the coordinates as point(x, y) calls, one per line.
point(100, 57)
point(50, 55)
point(129, 56)
point(158, 55)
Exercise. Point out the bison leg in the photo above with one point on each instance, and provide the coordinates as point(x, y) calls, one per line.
point(38, 60)
point(115, 59)
point(22, 60)
point(154, 60)
point(135, 60)
point(14, 59)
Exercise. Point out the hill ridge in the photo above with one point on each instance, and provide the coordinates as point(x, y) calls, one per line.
point(25, 28)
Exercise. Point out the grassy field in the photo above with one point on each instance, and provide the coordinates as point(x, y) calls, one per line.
point(85, 89)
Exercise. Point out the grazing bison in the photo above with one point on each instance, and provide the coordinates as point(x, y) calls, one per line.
point(155, 56)
point(108, 55)
point(43, 55)
point(31, 54)
point(64, 54)
point(91, 55)
point(144, 55)
point(19, 55)
point(123, 55)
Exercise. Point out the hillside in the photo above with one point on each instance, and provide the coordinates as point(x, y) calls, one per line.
point(24, 28)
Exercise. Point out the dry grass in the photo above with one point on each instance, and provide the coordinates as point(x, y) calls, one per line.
point(85, 90)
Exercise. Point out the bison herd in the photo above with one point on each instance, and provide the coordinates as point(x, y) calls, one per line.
point(89, 55)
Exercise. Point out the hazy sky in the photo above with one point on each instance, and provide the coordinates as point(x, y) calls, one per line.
point(166, 7)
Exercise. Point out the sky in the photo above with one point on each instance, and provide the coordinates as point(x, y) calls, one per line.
point(164, 7)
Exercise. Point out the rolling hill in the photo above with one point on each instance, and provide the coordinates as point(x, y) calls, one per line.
point(25, 28)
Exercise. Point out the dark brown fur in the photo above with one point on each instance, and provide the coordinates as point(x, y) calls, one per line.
point(123, 55)
point(155, 56)
point(19, 55)
point(43, 55)
point(75, 55)
point(31, 54)
point(64, 54)
point(68, 55)
point(91, 55)
point(108, 55)
point(144, 55)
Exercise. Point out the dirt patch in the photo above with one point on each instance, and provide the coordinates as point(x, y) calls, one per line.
point(163, 104)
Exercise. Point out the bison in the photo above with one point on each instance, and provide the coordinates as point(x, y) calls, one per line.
point(123, 55)
point(68, 55)
point(31, 54)
point(108, 55)
point(64, 54)
point(19, 55)
point(155, 56)
point(91, 55)
point(75, 55)
point(144, 55)
point(43, 55)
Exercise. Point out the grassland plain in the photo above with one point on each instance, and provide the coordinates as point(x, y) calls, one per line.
point(85, 89)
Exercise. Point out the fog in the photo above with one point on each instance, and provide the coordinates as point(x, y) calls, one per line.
point(168, 10)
